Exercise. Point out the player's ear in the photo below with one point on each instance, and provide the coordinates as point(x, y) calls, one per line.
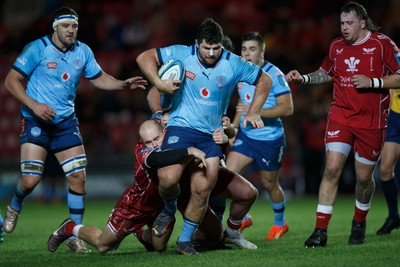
point(197, 43)
point(363, 24)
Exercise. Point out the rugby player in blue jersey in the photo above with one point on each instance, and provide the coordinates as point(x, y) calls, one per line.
point(52, 67)
point(197, 107)
point(263, 147)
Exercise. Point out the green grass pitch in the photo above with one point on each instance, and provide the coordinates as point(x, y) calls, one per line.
point(27, 246)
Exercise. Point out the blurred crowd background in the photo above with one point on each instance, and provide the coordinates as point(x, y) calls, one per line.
point(297, 35)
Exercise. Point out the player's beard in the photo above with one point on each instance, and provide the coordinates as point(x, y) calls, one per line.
point(67, 41)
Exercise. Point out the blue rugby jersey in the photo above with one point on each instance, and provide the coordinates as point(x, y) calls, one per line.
point(206, 91)
point(53, 75)
point(273, 127)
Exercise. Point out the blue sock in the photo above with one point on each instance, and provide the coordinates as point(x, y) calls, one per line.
point(18, 199)
point(218, 205)
point(279, 210)
point(76, 205)
point(246, 216)
point(187, 230)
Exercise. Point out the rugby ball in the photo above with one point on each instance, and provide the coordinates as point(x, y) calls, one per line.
point(172, 70)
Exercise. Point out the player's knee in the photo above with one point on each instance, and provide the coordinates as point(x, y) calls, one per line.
point(386, 172)
point(75, 167)
point(167, 179)
point(332, 172)
point(32, 171)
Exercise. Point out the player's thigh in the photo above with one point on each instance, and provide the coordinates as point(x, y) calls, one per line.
point(70, 153)
point(237, 161)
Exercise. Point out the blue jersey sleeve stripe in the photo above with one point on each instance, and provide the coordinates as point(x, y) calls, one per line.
point(159, 56)
point(95, 76)
point(258, 77)
point(43, 41)
point(228, 55)
point(282, 93)
point(269, 67)
point(193, 50)
point(20, 71)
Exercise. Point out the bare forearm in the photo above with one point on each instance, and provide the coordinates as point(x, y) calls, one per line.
point(260, 94)
point(148, 64)
point(14, 85)
point(319, 77)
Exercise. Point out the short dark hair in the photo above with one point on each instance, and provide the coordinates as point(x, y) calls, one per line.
point(254, 36)
point(64, 11)
point(362, 14)
point(210, 31)
point(228, 44)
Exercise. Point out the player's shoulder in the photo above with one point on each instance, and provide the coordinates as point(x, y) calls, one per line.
point(379, 36)
point(78, 45)
point(384, 40)
point(269, 67)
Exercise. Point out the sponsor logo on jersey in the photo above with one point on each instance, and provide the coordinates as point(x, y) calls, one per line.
point(21, 61)
point(333, 134)
point(65, 76)
point(173, 139)
point(239, 86)
point(35, 131)
point(248, 97)
point(339, 51)
point(369, 50)
point(204, 92)
point(352, 64)
point(220, 81)
point(190, 75)
point(52, 65)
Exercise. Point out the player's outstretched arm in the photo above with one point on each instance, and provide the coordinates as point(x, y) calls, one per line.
point(317, 77)
point(108, 82)
point(388, 82)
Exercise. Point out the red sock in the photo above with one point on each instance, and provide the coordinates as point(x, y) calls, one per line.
point(232, 225)
point(69, 228)
point(322, 220)
point(360, 216)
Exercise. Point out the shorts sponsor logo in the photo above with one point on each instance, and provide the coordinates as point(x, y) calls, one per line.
point(36, 131)
point(238, 142)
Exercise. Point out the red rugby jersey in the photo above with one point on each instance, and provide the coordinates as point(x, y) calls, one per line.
point(375, 56)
